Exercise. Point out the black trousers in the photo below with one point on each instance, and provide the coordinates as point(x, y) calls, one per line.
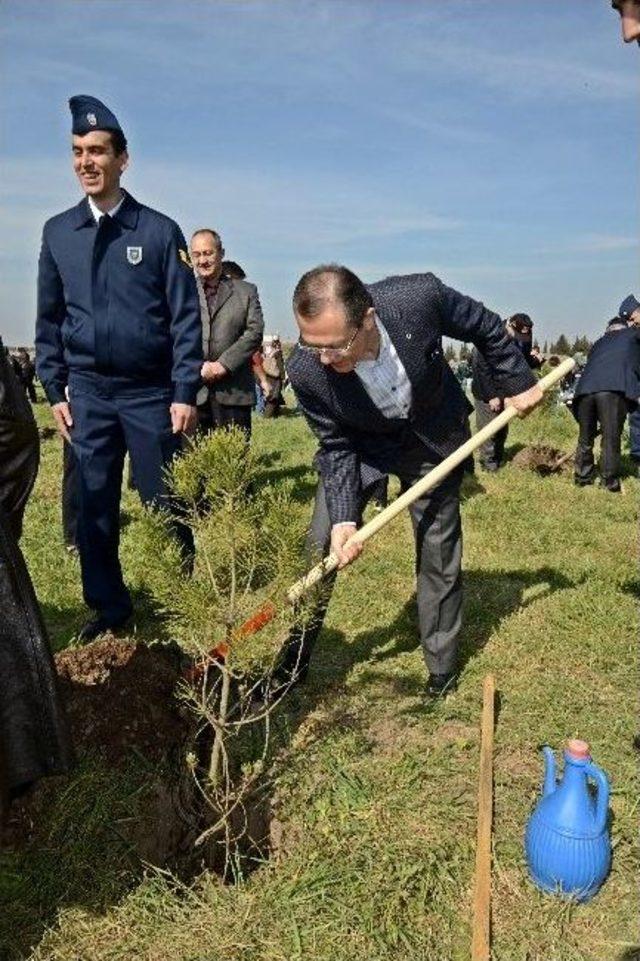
point(212, 415)
point(492, 451)
point(607, 410)
point(634, 434)
point(438, 543)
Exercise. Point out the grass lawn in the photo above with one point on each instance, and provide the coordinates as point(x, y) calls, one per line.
point(375, 793)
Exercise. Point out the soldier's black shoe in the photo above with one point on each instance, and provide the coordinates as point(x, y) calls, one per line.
point(613, 487)
point(96, 626)
point(584, 481)
point(439, 685)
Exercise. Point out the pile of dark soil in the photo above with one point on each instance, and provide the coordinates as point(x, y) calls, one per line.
point(130, 734)
point(543, 460)
point(126, 726)
point(119, 698)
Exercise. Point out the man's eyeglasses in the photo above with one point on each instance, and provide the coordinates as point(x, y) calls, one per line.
point(330, 351)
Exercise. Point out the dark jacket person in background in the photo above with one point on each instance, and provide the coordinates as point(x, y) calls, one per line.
point(275, 373)
point(608, 389)
point(27, 374)
point(232, 329)
point(489, 395)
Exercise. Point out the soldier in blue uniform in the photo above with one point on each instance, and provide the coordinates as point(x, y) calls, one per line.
point(630, 313)
point(118, 347)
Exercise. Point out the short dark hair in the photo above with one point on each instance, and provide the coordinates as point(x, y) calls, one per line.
point(521, 322)
point(118, 142)
point(329, 284)
point(217, 239)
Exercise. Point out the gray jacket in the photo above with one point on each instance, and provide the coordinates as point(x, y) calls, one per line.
point(231, 336)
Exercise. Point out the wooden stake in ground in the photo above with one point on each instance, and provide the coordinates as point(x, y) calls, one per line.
point(481, 943)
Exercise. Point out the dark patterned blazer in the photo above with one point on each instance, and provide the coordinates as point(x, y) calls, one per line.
point(356, 439)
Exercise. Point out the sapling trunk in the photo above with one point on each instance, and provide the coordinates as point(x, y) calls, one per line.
point(217, 755)
point(215, 763)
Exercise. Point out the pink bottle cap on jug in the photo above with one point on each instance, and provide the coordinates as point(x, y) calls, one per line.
point(578, 750)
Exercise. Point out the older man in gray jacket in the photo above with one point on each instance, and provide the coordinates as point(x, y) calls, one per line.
point(232, 329)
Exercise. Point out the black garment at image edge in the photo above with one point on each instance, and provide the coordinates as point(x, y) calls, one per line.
point(34, 741)
point(19, 445)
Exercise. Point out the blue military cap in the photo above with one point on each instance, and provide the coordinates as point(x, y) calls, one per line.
point(89, 113)
point(627, 307)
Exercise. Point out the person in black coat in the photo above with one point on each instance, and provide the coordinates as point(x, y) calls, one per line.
point(19, 444)
point(33, 736)
point(489, 396)
point(608, 389)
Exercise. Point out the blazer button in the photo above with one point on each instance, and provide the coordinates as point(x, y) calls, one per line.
point(408, 336)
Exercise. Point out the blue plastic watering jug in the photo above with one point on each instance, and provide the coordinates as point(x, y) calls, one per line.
point(567, 841)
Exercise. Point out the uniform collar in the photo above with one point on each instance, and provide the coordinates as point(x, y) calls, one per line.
point(126, 214)
point(99, 214)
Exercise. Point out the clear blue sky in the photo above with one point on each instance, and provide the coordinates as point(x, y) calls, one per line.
point(494, 142)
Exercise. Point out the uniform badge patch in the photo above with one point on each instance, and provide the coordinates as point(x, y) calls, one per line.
point(184, 257)
point(134, 255)
point(92, 119)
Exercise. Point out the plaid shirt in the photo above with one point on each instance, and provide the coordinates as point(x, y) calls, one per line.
point(385, 379)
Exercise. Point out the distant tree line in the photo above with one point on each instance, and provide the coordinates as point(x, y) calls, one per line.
point(562, 346)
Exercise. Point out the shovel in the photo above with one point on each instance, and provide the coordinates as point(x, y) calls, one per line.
point(268, 611)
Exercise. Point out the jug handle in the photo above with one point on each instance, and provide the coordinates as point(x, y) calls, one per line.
point(549, 770)
point(602, 804)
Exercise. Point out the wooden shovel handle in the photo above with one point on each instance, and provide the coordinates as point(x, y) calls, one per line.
point(432, 479)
